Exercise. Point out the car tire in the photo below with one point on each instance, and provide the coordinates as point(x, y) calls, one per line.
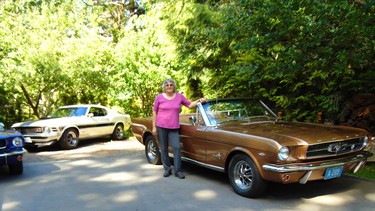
point(16, 168)
point(69, 139)
point(244, 177)
point(118, 132)
point(152, 151)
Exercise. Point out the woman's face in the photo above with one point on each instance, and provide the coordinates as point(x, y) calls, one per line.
point(169, 88)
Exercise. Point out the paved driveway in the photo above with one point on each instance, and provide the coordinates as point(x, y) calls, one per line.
point(116, 176)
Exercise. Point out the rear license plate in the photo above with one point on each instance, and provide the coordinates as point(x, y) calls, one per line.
point(333, 172)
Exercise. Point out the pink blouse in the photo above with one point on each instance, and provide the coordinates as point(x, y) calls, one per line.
point(168, 110)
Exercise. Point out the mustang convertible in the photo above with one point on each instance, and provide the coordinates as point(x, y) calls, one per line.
point(70, 124)
point(247, 141)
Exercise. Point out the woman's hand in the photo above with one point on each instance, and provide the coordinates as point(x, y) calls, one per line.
point(202, 100)
point(154, 132)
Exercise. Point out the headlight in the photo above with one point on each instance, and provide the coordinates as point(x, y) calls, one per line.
point(46, 130)
point(365, 141)
point(368, 143)
point(283, 153)
point(17, 141)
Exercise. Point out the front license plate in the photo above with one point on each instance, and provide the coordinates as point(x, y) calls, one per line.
point(333, 172)
point(28, 140)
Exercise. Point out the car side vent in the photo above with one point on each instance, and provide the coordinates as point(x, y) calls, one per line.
point(334, 148)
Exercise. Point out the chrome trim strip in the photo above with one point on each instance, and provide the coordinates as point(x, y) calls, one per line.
point(23, 151)
point(309, 167)
point(216, 168)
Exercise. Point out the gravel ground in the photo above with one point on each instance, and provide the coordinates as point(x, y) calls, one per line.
point(96, 148)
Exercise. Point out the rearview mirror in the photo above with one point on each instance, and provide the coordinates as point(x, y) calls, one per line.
point(193, 120)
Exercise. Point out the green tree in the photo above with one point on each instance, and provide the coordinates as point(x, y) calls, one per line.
point(54, 55)
point(145, 56)
point(302, 56)
point(305, 56)
point(192, 26)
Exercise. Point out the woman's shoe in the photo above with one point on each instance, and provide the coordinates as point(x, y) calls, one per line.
point(180, 175)
point(167, 173)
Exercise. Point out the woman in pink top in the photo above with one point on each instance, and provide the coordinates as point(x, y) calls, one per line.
point(165, 120)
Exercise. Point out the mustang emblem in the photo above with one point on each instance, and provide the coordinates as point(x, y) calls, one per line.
point(335, 147)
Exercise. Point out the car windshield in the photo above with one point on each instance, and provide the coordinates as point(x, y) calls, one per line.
point(237, 110)
point(69, 112)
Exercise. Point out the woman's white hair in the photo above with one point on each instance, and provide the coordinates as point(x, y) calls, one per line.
point(169, 81)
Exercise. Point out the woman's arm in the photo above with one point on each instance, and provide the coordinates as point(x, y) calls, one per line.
point(195, 103)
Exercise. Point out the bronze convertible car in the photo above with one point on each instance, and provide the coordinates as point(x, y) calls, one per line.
point(245, 139)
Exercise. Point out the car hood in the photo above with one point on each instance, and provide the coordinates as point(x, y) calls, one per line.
point(291, 133)
point(49, 122)
point(9, 133)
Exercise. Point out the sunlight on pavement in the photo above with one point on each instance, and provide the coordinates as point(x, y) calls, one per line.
point(125, 196)
point(308, 206)
point(205, 195)
point(90, 163)
point(149, 179)
point(370, 197)
point(10, 205)
point(23, 183)
point(91, 197)
point(116, 177)
point(332, 200)
point(129, 177)
point(150, 166)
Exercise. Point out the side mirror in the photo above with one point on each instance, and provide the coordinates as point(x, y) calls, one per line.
point(91, 115)
point(193, 120)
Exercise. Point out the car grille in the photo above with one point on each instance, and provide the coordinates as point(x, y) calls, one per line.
point(3, 143)
point(32, 130)
point(334, 148)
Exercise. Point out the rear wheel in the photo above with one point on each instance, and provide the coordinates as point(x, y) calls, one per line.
point(118, 132)
point(69, 139)
point(152, 151)
point(244, 177)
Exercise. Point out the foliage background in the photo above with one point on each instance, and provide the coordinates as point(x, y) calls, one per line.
point(301, 56)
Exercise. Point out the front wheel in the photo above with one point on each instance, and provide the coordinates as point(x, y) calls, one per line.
point(152, 151)
point(69, 139)
point(244, 177)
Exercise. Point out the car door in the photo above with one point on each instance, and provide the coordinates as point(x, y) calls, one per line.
point(192, 139)
point(100, 122)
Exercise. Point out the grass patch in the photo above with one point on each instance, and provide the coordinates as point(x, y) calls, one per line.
point(367, 171)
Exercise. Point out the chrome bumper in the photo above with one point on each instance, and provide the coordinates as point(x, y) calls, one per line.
point(309, 167)
point(41, 140)
point(23, 151)
point(359, 159)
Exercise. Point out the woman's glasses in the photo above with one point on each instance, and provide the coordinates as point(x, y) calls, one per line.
point(168, 85)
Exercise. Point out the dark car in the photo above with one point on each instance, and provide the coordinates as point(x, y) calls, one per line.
point(11, 150)
point(246, 140)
